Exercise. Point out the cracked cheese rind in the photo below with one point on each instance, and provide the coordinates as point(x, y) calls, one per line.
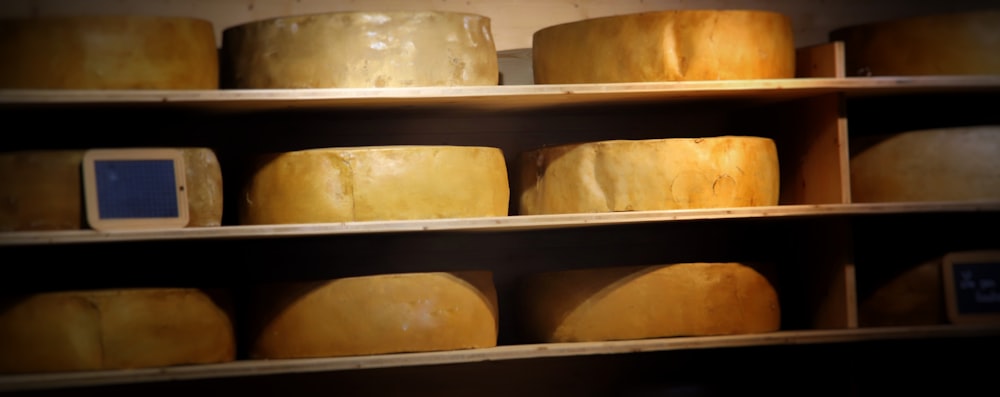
point(675, 45)
point(942, 164)
point(108, 52)
point(361, 49)
point(43, 189)
point(653, 174)
point(114, 329)
point(391, 313)
point(637, 302)
point(376, 183)
point(960, 43)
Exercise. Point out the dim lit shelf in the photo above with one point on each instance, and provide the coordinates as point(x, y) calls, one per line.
point(493, 224)
point(240, 368)
point(501, 97)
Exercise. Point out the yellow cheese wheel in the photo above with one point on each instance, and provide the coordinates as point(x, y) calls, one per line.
point(636, 302)
point(361, 49)
point(654, 174)
point(108, 52)
point(961, 43)
point(942, 164)
point(114, 329)
point(391, 313)
point(674, 45)
point(376, 183)
point(43, 189)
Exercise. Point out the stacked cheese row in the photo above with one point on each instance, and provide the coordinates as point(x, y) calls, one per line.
point(345, 49)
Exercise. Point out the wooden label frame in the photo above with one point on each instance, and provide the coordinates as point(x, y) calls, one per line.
point(135, 189)
point(972, 286)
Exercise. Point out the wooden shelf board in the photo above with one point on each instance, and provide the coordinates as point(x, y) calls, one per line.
point(239, 368)
point(500, 97)
point(490, 224)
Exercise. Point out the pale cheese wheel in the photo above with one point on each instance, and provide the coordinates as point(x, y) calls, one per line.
point(962, 43)
point(361, 49)
point(43, 189)
point(115, 329)
point(638, 302)
point(941, 164)
point(376, 183)
point(652, 174)
point(108, 52)
point(390, 313)
point(673, 45)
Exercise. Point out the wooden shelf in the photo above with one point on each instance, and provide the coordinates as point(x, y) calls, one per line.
point(514, 97)
point(269, 367)
point(509, 223)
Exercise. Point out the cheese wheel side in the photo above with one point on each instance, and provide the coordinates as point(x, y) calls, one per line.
point(654, 174)
point(108, 52)
point(115, 329)
point(636, 302)
point(963, 43)
point(376, 183)
point(361, 49)
point(409, 312)
point(676, 45)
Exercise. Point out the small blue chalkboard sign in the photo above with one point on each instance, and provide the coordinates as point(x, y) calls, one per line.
point(972, 286)
point(135, 188)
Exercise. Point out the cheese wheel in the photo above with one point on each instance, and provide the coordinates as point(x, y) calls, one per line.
point(376, 183)
point(361, 49)
point(961, 43)
point(108, 52)
point(392, 313)
point(913, 295)
point(943, 164)
point(654, 174)
point(674, 45)
point(114, 329)
point(636, 302)
point(43, 189)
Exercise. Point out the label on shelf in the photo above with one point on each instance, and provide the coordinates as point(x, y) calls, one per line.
point(135, 188)
point(972, 286)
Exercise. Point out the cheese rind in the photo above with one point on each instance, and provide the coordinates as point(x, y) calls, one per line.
point(108, 52)
point(962, 43)
point(676, 45)
point(376, 183)
point(636, 302)
point(943, 164)
point(114, 329)
point(361, 49)
point(654, 174)
point(43, 189)
point(392, 313)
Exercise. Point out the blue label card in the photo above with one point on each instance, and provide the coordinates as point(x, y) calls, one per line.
point(142, 188)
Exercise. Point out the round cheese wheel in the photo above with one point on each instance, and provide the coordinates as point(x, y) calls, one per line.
point(654, 174)
point(675, 45)
point(114, 329)
point(376, 183)
point(108, 52)
point(361, 49)
point(636, 302)
point(392, 313)
point(43, 189)
point(944, 164)
point(913, 295)
point(943, 44)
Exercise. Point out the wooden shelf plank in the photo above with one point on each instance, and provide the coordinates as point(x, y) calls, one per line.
point(501, 97)
point(511, 352)
point(493, 224)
